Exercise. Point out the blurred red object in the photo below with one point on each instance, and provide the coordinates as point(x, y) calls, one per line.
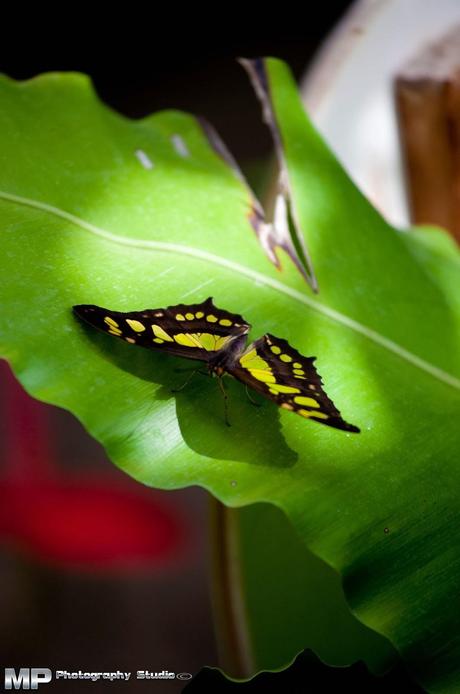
point(77, 518)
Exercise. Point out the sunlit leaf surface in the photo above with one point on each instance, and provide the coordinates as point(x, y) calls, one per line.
point(99, 209)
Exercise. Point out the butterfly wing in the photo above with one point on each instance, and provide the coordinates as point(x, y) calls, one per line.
point(277, 371)
point(193, 331)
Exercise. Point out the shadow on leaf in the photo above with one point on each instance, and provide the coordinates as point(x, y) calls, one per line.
point(255, 432)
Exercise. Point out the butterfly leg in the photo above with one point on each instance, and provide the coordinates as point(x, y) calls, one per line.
point(251, 399)
point(194, 369)
point(187, 381)
point(224, 393)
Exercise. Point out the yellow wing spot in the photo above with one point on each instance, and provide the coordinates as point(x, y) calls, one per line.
point(199, 314)
point(301, 378)
point(135, 325)
point(179, 316)
point(299, 372)
point(221, 341)
point(115, 331)
point(305, 413)
point(279, 388)
point(131, 340)
point(310, 413)
point(303, 400)
point(251, 360)
point(225, 321)
point(286, 406)
point(207, 341)
point(211, 318)
point(190, 316)
point(158, 340)
point(275, 349)
point(262, 375)
point(285, 357)
point(162, 334)
point(211, 343)
point(111, 322)
point(187, 340)
point(297, 365)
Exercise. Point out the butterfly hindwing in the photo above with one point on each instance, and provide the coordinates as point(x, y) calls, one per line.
point(277, 371)
point(193, 331)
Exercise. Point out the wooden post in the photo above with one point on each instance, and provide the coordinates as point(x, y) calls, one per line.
point(428, 107)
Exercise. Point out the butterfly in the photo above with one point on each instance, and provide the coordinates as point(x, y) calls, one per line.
point(203, 332)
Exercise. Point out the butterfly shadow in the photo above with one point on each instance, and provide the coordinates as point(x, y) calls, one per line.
point(254, 435)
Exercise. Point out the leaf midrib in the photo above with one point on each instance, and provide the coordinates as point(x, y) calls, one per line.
point(146, 244)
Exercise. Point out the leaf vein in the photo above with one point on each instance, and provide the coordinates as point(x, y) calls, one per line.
point(146, 244)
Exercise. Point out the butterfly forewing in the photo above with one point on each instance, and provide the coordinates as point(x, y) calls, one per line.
point(193, 331)
point(206, 333)
point(276, 370)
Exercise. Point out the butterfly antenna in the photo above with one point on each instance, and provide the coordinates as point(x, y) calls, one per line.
point(225, 396)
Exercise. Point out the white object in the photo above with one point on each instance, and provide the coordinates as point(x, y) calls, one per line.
point(348, 90)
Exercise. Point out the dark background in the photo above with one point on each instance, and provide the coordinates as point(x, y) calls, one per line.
point(147, 69)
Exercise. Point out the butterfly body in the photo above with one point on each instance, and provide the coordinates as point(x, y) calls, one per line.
point(203, 332)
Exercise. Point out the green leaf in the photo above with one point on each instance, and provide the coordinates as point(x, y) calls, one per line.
point(87, 219)
point(272, 596)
